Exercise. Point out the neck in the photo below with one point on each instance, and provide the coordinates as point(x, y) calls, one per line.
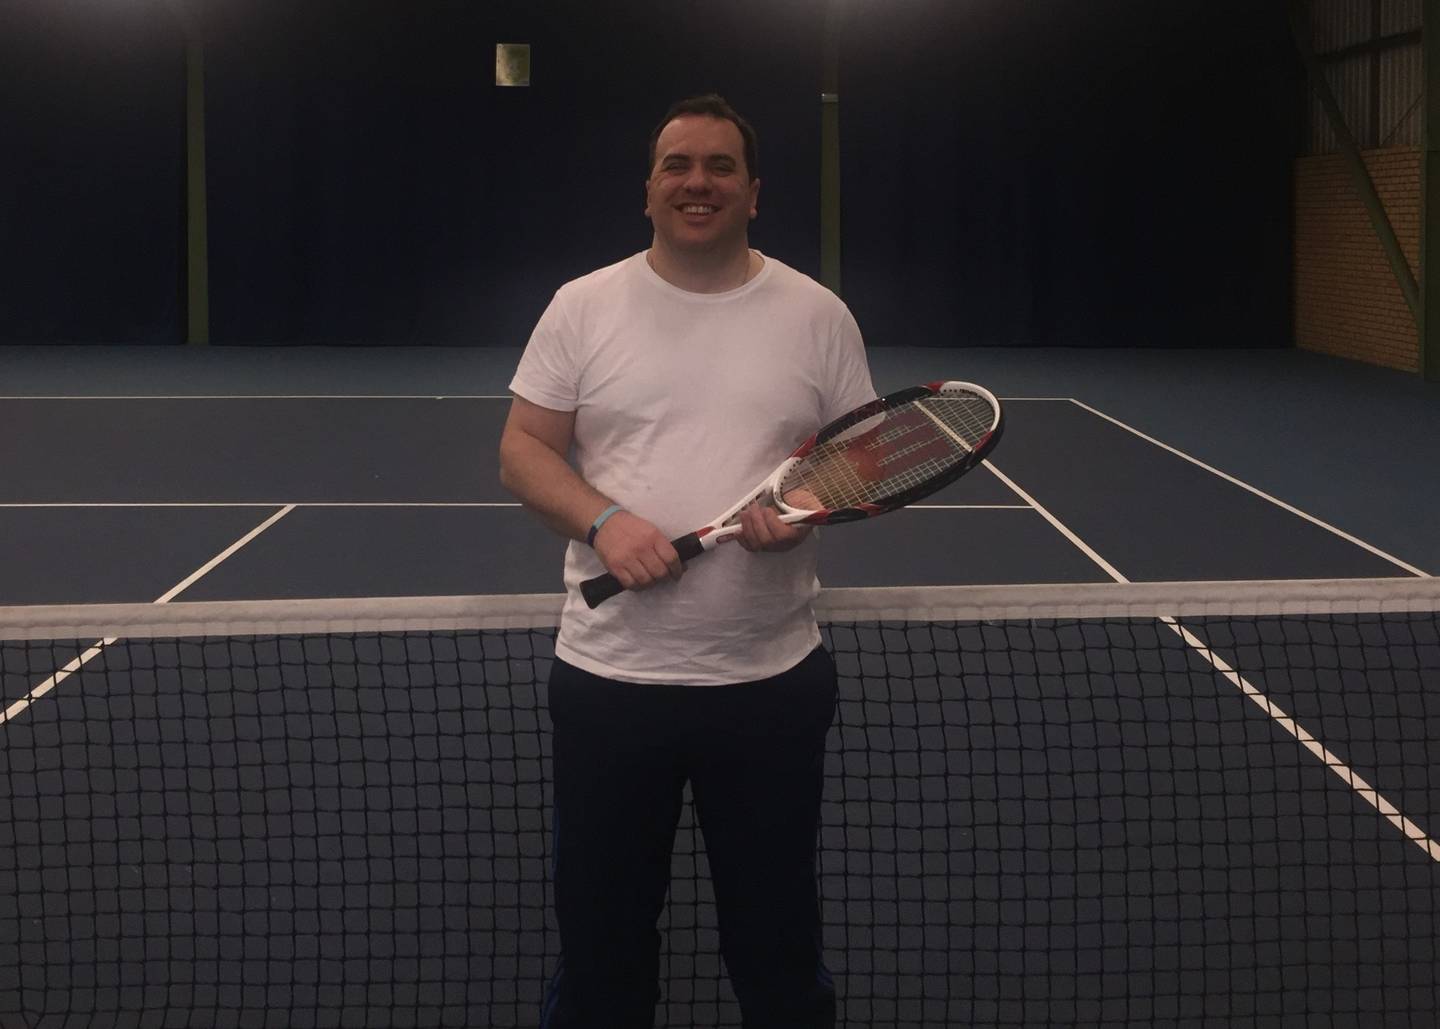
point(704, 272)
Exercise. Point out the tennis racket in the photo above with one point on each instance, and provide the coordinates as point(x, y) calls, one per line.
point(881, 456)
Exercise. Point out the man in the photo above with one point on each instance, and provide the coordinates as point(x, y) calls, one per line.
point(680, 377)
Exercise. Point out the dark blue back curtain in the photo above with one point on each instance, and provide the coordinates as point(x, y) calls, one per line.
point(1105, 172)
point(91, 172)
point(370, 184)
point(1067, 172)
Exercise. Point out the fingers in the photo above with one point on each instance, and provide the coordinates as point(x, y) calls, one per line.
point(636, 552)
point(803, 499)
point(646, 567)
point(762, 530)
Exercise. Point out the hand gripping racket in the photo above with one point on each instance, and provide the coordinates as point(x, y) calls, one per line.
point(881, 456)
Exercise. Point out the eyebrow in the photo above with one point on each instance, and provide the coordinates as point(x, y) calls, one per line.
point(711, 159)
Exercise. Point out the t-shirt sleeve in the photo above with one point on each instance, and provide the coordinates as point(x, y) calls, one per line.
point(546, 374)
point(849, 383)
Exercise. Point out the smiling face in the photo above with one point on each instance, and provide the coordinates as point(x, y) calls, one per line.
point(700, 196)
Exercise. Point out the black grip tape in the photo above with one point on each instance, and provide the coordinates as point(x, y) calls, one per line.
point(688, 546)
point(601, 588)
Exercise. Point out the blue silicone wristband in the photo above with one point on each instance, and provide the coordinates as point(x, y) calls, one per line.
point(601, 520)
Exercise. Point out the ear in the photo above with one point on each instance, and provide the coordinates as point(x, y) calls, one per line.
point(754, 198)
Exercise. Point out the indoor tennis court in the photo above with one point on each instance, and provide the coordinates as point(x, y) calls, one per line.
point(1139, 721)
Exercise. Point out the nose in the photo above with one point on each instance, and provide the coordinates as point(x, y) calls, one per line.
point(698, 179)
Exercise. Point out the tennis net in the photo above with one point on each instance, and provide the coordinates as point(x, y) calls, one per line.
point(1091, 805)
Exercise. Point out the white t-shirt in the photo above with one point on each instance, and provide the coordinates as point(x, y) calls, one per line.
point(682, 402)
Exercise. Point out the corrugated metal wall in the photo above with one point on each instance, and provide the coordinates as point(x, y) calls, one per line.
point(1402, 95)
point(1400, 15)
point(1378, 80)
point(1340, 23)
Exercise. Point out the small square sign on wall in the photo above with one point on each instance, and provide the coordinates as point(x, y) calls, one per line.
point(512, 64)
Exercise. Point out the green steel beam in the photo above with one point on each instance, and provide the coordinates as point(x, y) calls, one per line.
point(830, 149)
point(197, 245)
point(1379, 44)
point(1430, 196)
point(1359, 174)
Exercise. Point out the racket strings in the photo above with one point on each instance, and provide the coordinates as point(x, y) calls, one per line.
point(830, 482)
point(968, 415)
point(906, 450)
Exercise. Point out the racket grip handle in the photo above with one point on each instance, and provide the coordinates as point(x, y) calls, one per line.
point(601, 588)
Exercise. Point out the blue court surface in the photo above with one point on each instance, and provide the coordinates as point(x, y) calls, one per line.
point(1032, 817)
point(260, 475)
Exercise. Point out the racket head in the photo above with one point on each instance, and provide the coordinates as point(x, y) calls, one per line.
point(890, 452)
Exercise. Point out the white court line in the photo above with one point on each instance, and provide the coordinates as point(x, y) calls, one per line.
point(210, 565)
point(1259, 493)
point(1363, 789)
point(1060, 526)
point(20, 706)
point(1358, 785)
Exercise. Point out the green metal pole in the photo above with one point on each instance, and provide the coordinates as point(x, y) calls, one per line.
point(1359, 174)
point(1430, 195)
point(830, 149)
point(197, 245)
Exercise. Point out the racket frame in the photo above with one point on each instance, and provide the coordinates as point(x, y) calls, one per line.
point(767, 492)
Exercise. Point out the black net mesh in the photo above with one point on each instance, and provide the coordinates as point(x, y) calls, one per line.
point(1107, 819)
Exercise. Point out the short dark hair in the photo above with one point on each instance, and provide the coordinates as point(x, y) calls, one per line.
point(716, 107)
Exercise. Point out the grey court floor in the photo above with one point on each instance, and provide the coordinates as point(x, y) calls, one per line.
point(249, 476)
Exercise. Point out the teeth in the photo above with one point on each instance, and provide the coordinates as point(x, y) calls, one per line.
point(698, 209)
